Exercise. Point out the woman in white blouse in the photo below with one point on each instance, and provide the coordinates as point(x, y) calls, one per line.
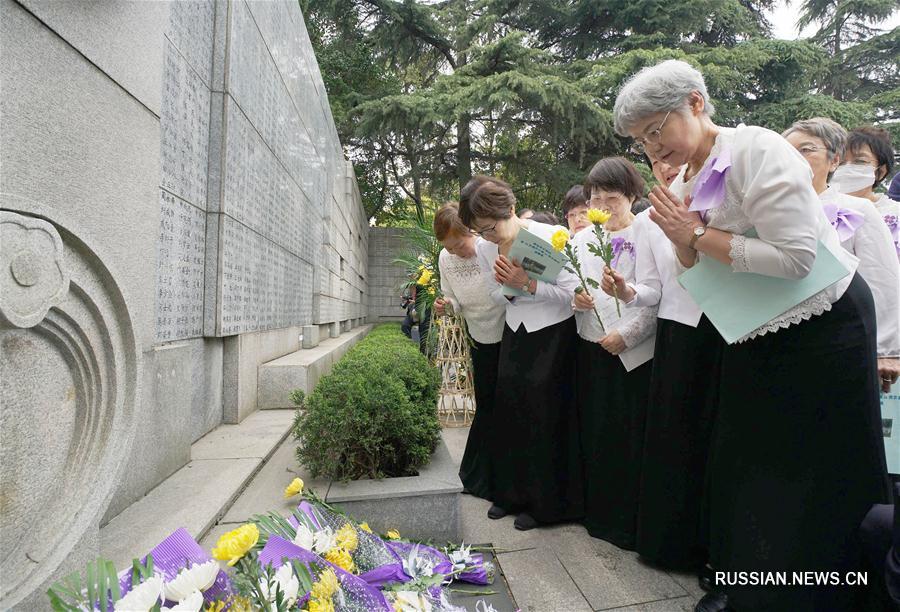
point(796, 457)
point(683, 397)
point(536, 460)
point(868, 160)
point(859, 225)
point(614, 361)
point(469, 288)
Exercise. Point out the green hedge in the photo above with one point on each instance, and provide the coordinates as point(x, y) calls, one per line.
point(374, 415)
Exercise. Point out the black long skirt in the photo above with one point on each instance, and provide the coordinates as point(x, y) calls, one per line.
point(475, 471)
point(537, 462)
point(612, 410)
point(680, 415)
point(797, 456)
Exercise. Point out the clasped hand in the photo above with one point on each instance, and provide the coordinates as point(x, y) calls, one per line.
point(509, 272)
point(672, 216)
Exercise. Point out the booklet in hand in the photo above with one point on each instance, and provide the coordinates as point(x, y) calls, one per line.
point(538, 258)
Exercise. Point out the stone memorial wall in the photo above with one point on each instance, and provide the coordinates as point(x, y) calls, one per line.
point(176, 206)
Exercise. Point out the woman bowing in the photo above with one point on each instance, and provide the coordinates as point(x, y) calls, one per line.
point(796, 456)
point(536, 460)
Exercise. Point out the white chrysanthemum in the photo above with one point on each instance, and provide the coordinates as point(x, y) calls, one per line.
point(411, 601)
point(286, 581)
point(142, 597)
point(191, 603)
point(197, 578)
point(304, 537)
point(324, 540)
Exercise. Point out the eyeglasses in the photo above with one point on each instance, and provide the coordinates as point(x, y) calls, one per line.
point(809, 150)
point(640, 144)
point(484, 231)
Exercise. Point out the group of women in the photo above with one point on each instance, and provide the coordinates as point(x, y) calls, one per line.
point(763, 455)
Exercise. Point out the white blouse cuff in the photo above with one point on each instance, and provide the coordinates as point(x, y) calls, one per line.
point(739, 254)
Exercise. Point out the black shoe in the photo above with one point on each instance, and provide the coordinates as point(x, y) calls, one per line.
point(496, 512)
point(465, 491)
point(524, 522)
point(706, 579)
point(712, 602)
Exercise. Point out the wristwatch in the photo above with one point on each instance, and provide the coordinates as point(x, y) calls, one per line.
point(526, 286)
point(698, 231)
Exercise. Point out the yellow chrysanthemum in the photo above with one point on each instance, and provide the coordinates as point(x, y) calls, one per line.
point(425, 277)
point(239, 604)
point(392, 534)
point(559, 239)
point(320, 605)
point(365, 527)
point(341, 558)
point(216, 606)
point(295, 488)
point(346, 538)
point(235, 544)
point(595, 215)
point(326, 586)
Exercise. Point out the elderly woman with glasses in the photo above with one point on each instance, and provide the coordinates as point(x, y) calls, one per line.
point(796, 456)
point(859, 225)
point(535, 448)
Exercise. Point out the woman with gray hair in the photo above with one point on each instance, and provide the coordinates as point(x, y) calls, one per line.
point(796, 457)
point(859, 225)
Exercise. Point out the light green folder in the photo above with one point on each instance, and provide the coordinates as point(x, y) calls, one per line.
point(737, 303)
point(538, 258)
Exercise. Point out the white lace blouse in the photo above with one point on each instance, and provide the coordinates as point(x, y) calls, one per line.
point(873, 245)
point(469, 285)
point(636, 324)
point(769, 188)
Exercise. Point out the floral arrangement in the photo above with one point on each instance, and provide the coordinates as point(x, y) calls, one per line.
point(316, 560)
point(606, 248)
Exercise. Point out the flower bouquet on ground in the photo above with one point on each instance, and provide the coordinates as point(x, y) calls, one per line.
point(316, 560)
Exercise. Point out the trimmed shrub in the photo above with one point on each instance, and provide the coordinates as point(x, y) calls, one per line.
point(374, 415)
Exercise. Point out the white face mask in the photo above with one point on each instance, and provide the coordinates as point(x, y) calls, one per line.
point(851, 178)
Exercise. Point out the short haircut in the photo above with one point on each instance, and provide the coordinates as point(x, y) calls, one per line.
point(830, 132)
point(878, 141)
point(545, 216)
point(658, 89)
point(447, 221)
point(573, 199)
point(487, 197)
point(615, 174)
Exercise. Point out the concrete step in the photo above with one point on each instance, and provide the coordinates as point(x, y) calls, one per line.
point(223, 462)
point(302, 369)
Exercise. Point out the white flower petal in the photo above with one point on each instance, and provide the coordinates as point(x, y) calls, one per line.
point(304, 537)
point(142, 597)
point(192, 603)
point(197, 578)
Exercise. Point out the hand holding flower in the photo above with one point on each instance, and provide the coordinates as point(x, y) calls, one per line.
point(583, 301)
point(613, 284)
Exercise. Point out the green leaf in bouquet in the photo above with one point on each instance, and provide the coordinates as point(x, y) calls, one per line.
point(99, 588)
point(593, 284)
point(303, 575)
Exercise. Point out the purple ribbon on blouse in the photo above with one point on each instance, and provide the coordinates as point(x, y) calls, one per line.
point(844, 220)
point(619, 246)
point(174, 554)
point(709, 189)
point(894, 225)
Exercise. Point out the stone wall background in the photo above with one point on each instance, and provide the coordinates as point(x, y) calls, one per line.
point(185, 155)
point(385, 277)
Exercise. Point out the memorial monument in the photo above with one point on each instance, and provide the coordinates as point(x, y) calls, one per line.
point(176, 207)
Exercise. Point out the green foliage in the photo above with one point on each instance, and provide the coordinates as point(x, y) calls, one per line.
point(426, 94)
point(374, 415)
point(99, 590)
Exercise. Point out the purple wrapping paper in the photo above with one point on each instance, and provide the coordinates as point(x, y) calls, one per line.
point(172, 555)
point(709, 190)
point(277, 549)
point(392, 572)
point(844, 220)
point(443, 565)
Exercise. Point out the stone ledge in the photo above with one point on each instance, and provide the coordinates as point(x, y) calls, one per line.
point(425, 507)
point(302, 369)
point(195, 497)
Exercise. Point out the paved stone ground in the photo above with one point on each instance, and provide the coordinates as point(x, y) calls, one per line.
point(562, 568)
point(553, 569)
